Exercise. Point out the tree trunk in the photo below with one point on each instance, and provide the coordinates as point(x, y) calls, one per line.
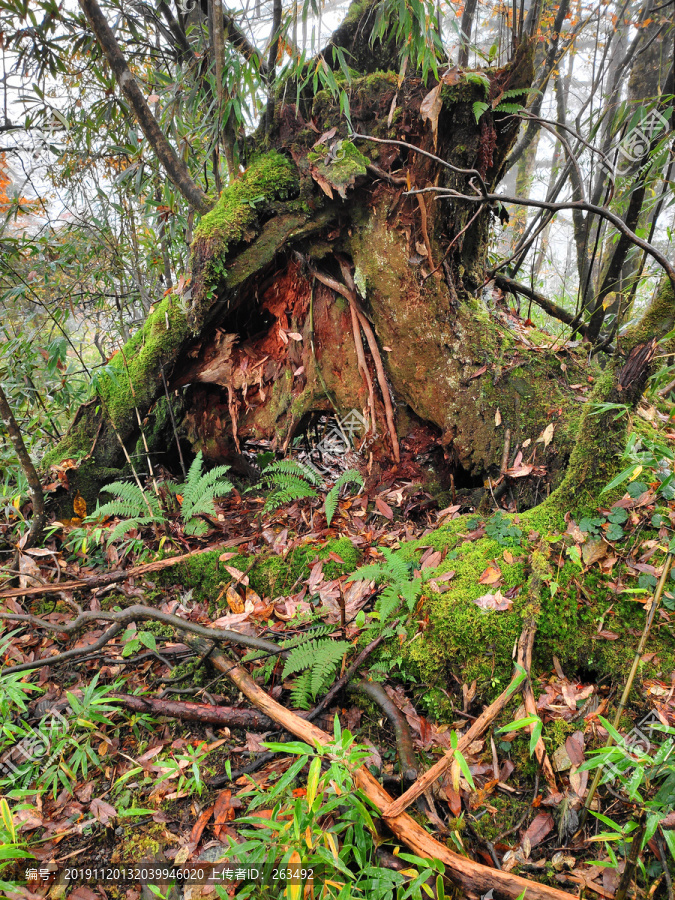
point(320, 237)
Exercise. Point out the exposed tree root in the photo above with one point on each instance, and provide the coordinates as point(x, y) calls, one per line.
point(473, 733)
point(404, 745)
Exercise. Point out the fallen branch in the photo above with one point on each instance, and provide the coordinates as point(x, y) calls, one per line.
point(222, 716)
point(525, 645)
point(477, 728)
point(126, 617)
point(472, 877)
point(311, 716)
point(97, 581)
point(557, 312)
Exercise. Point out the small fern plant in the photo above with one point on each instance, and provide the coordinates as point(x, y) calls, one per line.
point(396, 576)
point(138, 509)
point(289, 480)
point(198, 495)
point(315, 656)
point(134, 507)
point(351, 476)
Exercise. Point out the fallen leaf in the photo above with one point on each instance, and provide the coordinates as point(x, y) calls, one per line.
point(495, 601)
point(102, 811)
point(430, 109)
point(593, 550)
point(575, 747)
point(478, 373)
point(541, 825)
point(224, 811)
point(546, 436)
point(384, 508)
point(200, 825)
point(491, 575)
point(498, 418)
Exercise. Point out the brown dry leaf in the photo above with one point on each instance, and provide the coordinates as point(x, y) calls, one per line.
point(495, 601)
point(546, 436)
point(593, 550)
point(384, 508)
point(238, 576)
point(234, 601)
point(430, 109)
point(541, 825)
point(79, 506)
point(224, 811)
point(452, 77)
point(508, 557)
point(200, 825)
point(491, 575)
point(478, 373)
point(575, 747)
point(498, 417)
point(102, 811)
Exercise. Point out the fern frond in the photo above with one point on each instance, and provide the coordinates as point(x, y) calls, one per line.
point(313, 634)
point(398, 566)
point(125, 525)
point(387, 602)
point(199, 492)
point(372, 572)
point(301, 697)
point(325, 663)
point(509, 108)
point(513, 92)
point(291, 467)
point(351, 476)
point(129, 500)
point(294, 489)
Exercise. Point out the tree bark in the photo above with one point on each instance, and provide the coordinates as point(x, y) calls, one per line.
point(29, 470)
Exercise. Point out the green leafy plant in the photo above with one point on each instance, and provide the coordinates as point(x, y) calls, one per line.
point(500, 529)
point(138, 508)
point(58, 752)
point(644, 768)
point(317, 661)
point(328, 831)
point(396, 574)
point(199, 493)
point(11, 846)
point(351, 476)
point(134, 507)
point(289, 480)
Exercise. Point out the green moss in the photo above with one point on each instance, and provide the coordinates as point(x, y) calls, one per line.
point(271, 177)
point(139, 844)
point(133, 373)
point(342, 169)
point(507, 812)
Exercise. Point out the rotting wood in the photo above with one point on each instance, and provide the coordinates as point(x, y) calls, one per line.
point(473, 878)
point(223, 716)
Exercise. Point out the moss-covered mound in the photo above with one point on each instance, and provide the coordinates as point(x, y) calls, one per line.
point(581, 620)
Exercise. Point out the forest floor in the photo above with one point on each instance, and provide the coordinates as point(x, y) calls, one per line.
point(95, 787)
